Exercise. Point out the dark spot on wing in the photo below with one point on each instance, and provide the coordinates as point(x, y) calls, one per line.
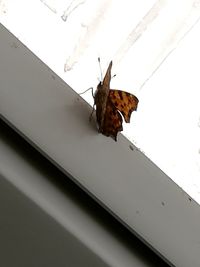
point(116, 104)
point(120, 95)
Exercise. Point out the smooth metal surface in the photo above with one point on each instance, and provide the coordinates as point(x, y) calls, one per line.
point(46, 220)
point(48, 112)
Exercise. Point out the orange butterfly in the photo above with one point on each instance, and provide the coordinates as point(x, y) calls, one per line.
point(110, 104)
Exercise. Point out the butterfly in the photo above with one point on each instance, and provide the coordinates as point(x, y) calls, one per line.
point(111, 105)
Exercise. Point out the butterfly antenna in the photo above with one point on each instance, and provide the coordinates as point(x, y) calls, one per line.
point(100, 69)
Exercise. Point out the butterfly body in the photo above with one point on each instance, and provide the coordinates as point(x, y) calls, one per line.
point(110, 104)
point(101, 97)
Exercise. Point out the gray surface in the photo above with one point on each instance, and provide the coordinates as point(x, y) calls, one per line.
point(46, 220)
point(31, 238)
point(50, 115)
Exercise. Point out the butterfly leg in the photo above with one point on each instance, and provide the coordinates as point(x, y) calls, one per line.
point(91, 88)
point(90, 118)
point(92, 92)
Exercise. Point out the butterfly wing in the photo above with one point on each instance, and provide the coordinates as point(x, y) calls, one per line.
point(101, 96)
point(125, 102)
point(107, 78)
point(112, 121)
